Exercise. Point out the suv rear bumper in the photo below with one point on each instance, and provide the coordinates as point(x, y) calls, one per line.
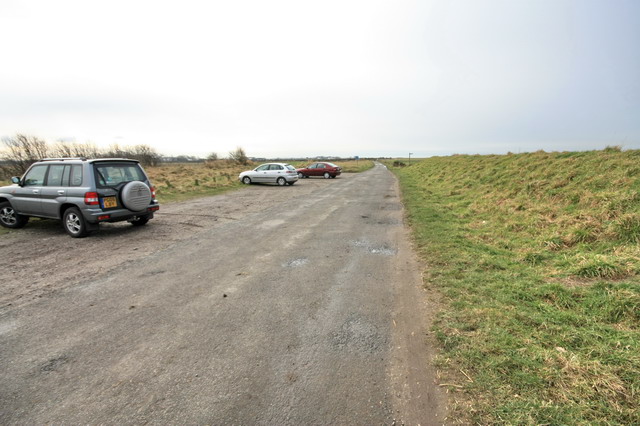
point(117, 215)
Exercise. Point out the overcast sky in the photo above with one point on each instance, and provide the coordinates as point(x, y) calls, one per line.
point(299, 78)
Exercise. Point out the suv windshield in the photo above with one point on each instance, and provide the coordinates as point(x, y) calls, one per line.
point(112, 174)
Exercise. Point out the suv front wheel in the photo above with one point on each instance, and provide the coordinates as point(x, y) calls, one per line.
point(9, 218)
point(74, 223)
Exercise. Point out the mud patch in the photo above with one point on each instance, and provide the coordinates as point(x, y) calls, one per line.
point(54, 363)
point(388, 222)
point(391, 206)
point(152, 273)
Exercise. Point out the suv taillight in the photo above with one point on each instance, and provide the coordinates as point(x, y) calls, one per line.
point(91, 198)
point(153, 192)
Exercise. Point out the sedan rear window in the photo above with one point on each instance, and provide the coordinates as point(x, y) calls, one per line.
point(112, 174)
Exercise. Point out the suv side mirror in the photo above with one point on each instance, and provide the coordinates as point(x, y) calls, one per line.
point(15, 179)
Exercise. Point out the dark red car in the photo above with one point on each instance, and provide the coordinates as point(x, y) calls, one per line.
point(326, 170)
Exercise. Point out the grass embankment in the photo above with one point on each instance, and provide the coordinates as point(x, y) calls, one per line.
point(179, 182)
point(537, 257)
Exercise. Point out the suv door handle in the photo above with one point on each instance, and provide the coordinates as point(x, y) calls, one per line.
point(60, 191)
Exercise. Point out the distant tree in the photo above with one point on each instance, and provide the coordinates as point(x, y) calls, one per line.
point(145, 155)
point(20, 152)
point(212, 157)
point(74, 149)
point(239, 156)
point(116, 151)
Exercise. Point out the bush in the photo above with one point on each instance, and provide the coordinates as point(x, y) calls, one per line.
point(239, 156)
point(20, 152)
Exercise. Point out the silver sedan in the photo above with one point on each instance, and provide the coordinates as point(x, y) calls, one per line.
point(279, 173)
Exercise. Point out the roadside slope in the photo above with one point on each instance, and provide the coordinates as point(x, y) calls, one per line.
point(538, 261)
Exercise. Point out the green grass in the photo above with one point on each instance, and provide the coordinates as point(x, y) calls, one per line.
point(180, 182)
point(353, 166)
point(537, 258)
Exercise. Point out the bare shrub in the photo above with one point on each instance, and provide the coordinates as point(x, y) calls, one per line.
point(20, 152)
point(239, 156)
point(145, 155)
point(65, 149)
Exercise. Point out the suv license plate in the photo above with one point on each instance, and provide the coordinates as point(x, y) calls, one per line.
point(109, 202)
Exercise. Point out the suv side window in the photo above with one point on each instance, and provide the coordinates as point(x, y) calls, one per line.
point(76, 176)
point(35, 176)
point(54, 177)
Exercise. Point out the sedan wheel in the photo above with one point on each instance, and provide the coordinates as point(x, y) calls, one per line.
point(300, 175)
point(246, 180)
point(281, 181)
point(327, 175)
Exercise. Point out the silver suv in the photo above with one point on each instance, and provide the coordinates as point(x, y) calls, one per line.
point(81, 192)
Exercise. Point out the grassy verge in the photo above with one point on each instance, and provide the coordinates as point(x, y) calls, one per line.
point(537, 258)
point(353, 166)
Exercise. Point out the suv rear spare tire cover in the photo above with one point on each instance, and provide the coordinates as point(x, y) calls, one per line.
point(136, 196)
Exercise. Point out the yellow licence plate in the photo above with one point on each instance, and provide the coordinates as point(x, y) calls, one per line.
point(109, 202)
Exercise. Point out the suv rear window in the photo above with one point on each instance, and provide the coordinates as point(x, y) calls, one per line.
point(112, 174)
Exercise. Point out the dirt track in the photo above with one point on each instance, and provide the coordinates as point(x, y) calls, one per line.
point(267, 305)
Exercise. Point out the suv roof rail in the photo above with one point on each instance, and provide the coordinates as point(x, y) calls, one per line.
point(65, 159)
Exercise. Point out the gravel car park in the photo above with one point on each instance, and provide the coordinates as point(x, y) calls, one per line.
point(80, 192)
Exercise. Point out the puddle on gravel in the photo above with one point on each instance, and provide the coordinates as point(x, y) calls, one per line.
point(359, 334)
point(391, 206)
point(7, 327)
point(382, 250)
point(296, 263)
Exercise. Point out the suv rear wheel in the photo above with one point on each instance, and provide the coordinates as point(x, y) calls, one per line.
point(140, 221)
point(74, 223)
point(9, 218)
